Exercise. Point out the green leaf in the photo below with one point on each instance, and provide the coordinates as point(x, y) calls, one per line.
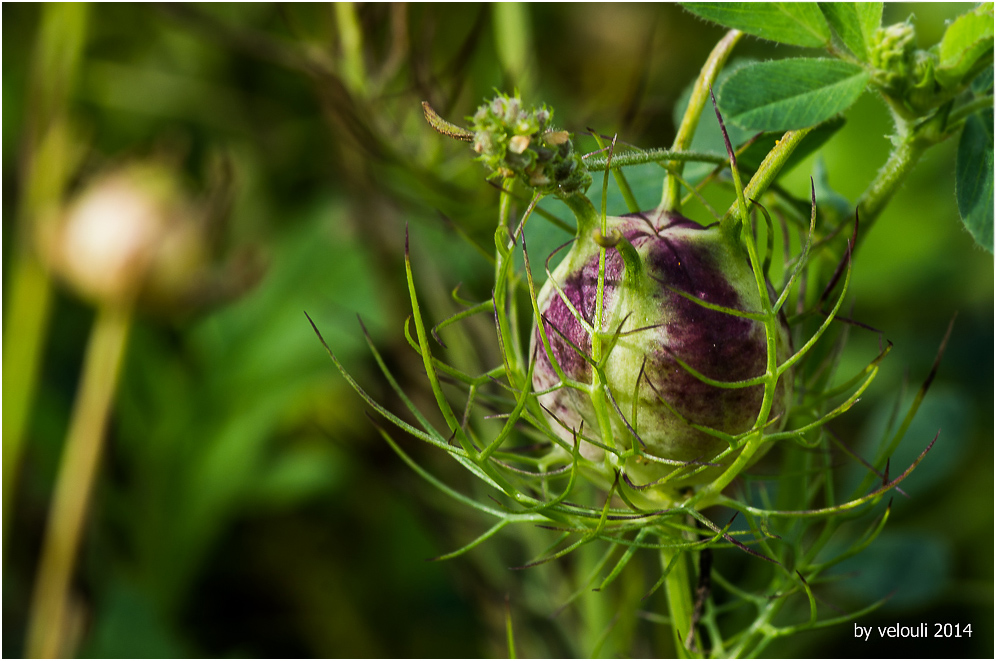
point(295, 474)
point(965, 41)
point(833, 206)
point(791, 94)
point(708, 137)
point(983, 82)
point(855, 24)
point(796, 23)
point(753, 156)
point(129, 624)
point(910, 568)
point(974, 178)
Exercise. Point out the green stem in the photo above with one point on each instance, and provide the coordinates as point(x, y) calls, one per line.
point(770, 167)
point(84, 442)
point(911, 144)
point(503, 286)
point(960, 113)
point(889, 178)
point(704, 497)
point(513, 41)
point(594, 611)
point(627, 158)
point(584, 211)
point(671, 198)
point(679, 596)
point(351, 40)
point(50, 160)
point(22, 346)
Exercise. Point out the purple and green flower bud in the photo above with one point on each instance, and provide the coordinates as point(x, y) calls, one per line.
point(671, 293)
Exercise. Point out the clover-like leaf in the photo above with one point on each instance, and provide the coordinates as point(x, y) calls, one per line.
point(983, 82)
point(974, 178)
point(796, 23)
point(791, 94)
point(965, 41)
point(752, 157)
point(855, 23)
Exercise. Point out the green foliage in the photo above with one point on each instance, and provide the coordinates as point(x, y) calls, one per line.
point(245, 506)
point(965, 41)
point(529, 477)
point(752, 157)
point(855, 23)
point(974, 184)
point(791, 94)
point(920, 86)
point(795, 23)
point(983, 82)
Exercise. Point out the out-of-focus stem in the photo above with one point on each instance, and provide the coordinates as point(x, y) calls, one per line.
point(49, 163)
point(679, 596)
point(671, 198)
point(595, 611)
point(354, 73)
point(513, 41)
point(27, 319)
point(74, 484)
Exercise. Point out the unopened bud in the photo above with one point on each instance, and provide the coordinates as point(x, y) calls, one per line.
point(107, 241)
point(134, 236)
point(556, 138)
point(518, 144)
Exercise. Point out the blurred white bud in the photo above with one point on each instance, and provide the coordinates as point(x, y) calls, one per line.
point(130, 234)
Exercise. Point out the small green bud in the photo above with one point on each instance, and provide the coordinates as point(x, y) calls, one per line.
point(892, 56)
point(515, 141)
point(923, 87)
point(110, 243)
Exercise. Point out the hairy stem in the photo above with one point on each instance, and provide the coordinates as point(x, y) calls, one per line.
point(904, 157)
point(770, 167)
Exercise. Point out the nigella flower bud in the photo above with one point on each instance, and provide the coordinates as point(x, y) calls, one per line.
point(649, 326)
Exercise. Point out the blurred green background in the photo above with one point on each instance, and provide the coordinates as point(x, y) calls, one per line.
point(245, 505)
